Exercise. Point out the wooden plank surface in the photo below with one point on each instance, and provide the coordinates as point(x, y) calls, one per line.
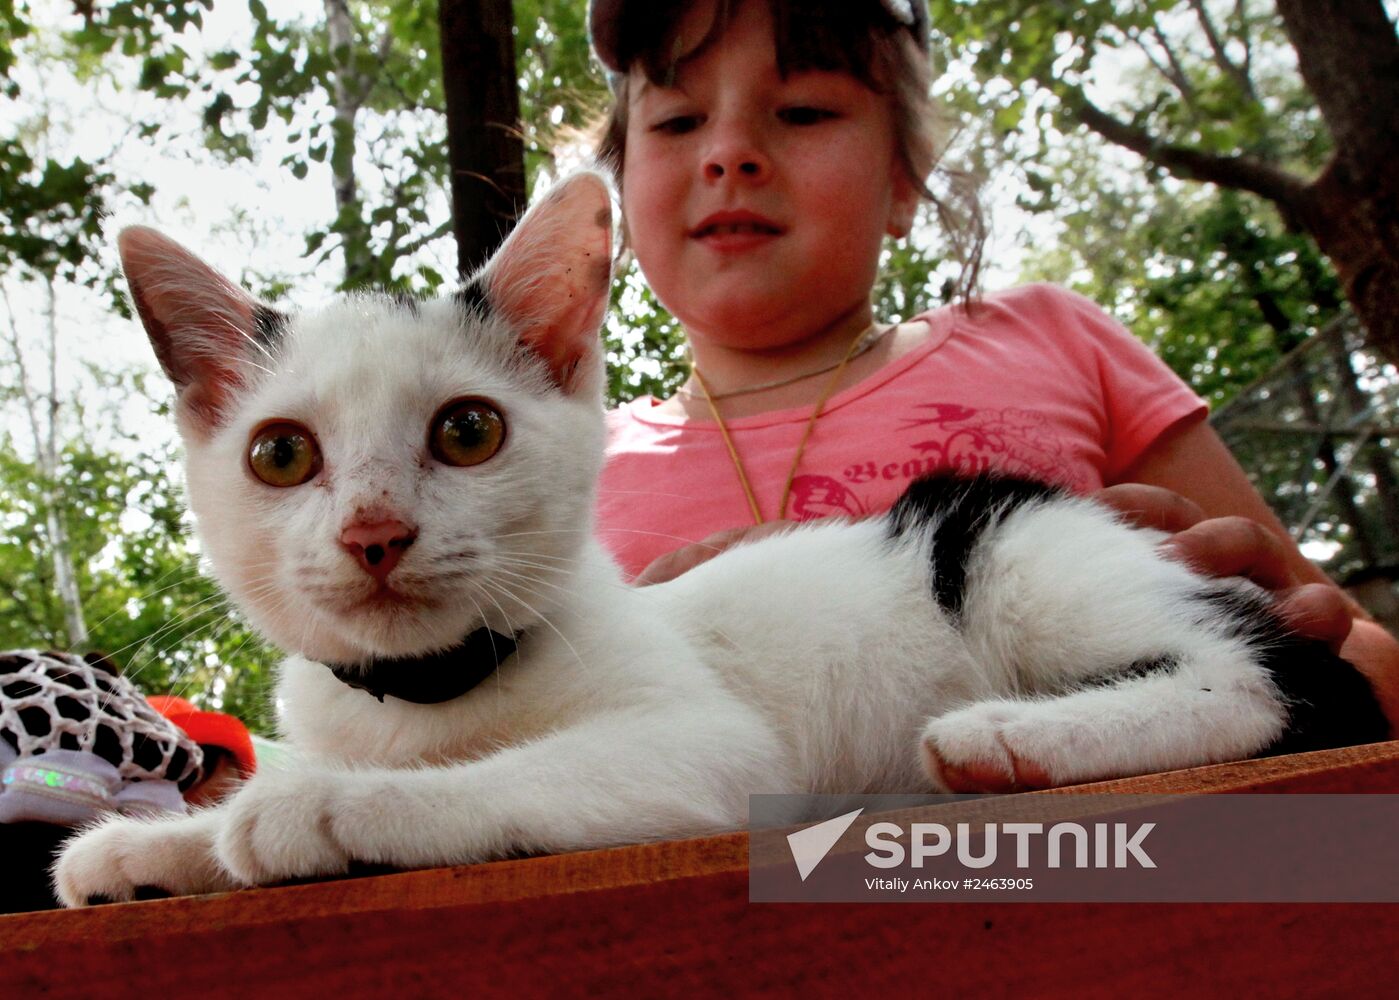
point(674, 916)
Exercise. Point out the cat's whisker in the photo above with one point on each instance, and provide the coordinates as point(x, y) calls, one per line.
point(481, 616)
point(212, 617)
point(257, 345)
point(526, 584)
point(554, 566)
point(251, 364)
point(615, 530)
point(193, 611)
point(540, 531)
point(144, 597)
point(509, 626)
point(563, 638)
point(140, 661)
point(544, 561)
point(226, 325)
point(653, 494)
point(182, 685)
point(533, 579)
point(575, 557)
point(515, 565)
point(536, 574)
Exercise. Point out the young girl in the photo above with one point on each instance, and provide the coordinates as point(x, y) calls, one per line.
point(764, 149)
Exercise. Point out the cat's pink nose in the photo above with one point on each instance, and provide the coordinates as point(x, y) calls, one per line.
point(377, 546)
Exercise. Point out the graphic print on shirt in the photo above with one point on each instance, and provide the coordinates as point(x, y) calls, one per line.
point(968, 441)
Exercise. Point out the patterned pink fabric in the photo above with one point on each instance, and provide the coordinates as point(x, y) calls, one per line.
point(1035, 381)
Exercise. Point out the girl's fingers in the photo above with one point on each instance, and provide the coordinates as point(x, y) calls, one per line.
point(1317, 611)
point(1151, 506)
point(1233, 546)
point(1236, 546)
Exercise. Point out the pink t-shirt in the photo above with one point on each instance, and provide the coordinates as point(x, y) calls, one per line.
point(1036, 382)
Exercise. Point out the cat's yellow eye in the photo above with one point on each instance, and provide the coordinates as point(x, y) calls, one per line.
point(466, 432)
point(284, 454)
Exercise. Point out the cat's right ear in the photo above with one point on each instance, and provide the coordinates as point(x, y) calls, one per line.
point(206, 331)
point(550, 279)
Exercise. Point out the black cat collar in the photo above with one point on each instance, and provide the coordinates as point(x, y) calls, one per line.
point(436, 677)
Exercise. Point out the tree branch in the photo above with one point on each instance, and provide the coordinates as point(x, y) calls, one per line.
point(1243, 172)
point(1172, 72)
point(382, 51)
point(416, 244)
point(1177, 75)
point(1221, 58)
point(1241, 15)
point(26, 394)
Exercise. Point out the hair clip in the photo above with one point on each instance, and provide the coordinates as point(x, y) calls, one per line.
point(605, 33)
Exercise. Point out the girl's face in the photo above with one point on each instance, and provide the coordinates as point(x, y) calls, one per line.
point(755, 205)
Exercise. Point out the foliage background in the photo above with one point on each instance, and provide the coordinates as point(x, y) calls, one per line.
point(302, 146)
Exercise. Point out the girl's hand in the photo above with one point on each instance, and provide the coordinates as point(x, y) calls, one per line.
point(1236, 546)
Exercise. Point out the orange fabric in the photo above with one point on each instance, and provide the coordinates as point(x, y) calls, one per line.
point(209, 728)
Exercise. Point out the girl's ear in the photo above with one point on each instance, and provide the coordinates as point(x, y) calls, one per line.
point(206, 331)
point(550, 280)
point(903, 203)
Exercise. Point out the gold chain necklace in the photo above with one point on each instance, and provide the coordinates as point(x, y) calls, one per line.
point(801, 446)
point(863, 343)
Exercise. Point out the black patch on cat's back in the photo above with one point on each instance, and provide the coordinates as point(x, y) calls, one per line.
point(960, 509)
point(1329, 702)
point(269, 325)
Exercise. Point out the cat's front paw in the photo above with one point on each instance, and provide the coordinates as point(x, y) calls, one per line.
point(987, 747)
point(124, 859)
point(280, 826)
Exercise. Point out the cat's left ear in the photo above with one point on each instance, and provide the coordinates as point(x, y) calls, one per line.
point(207, 332)
point(550, 279)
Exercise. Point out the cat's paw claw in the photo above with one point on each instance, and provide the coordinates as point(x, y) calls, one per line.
point(1008, 774)
point(969, 751)
point(126, 859)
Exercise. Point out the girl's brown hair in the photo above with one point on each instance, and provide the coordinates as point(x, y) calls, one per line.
point(843, 36)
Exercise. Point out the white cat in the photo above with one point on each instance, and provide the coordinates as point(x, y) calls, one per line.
point(401, 493)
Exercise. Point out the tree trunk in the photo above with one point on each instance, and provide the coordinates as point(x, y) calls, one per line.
point(483, 134)
point(347, 95)
point(43, 427)
point(64, 572)
point(1349, 56)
